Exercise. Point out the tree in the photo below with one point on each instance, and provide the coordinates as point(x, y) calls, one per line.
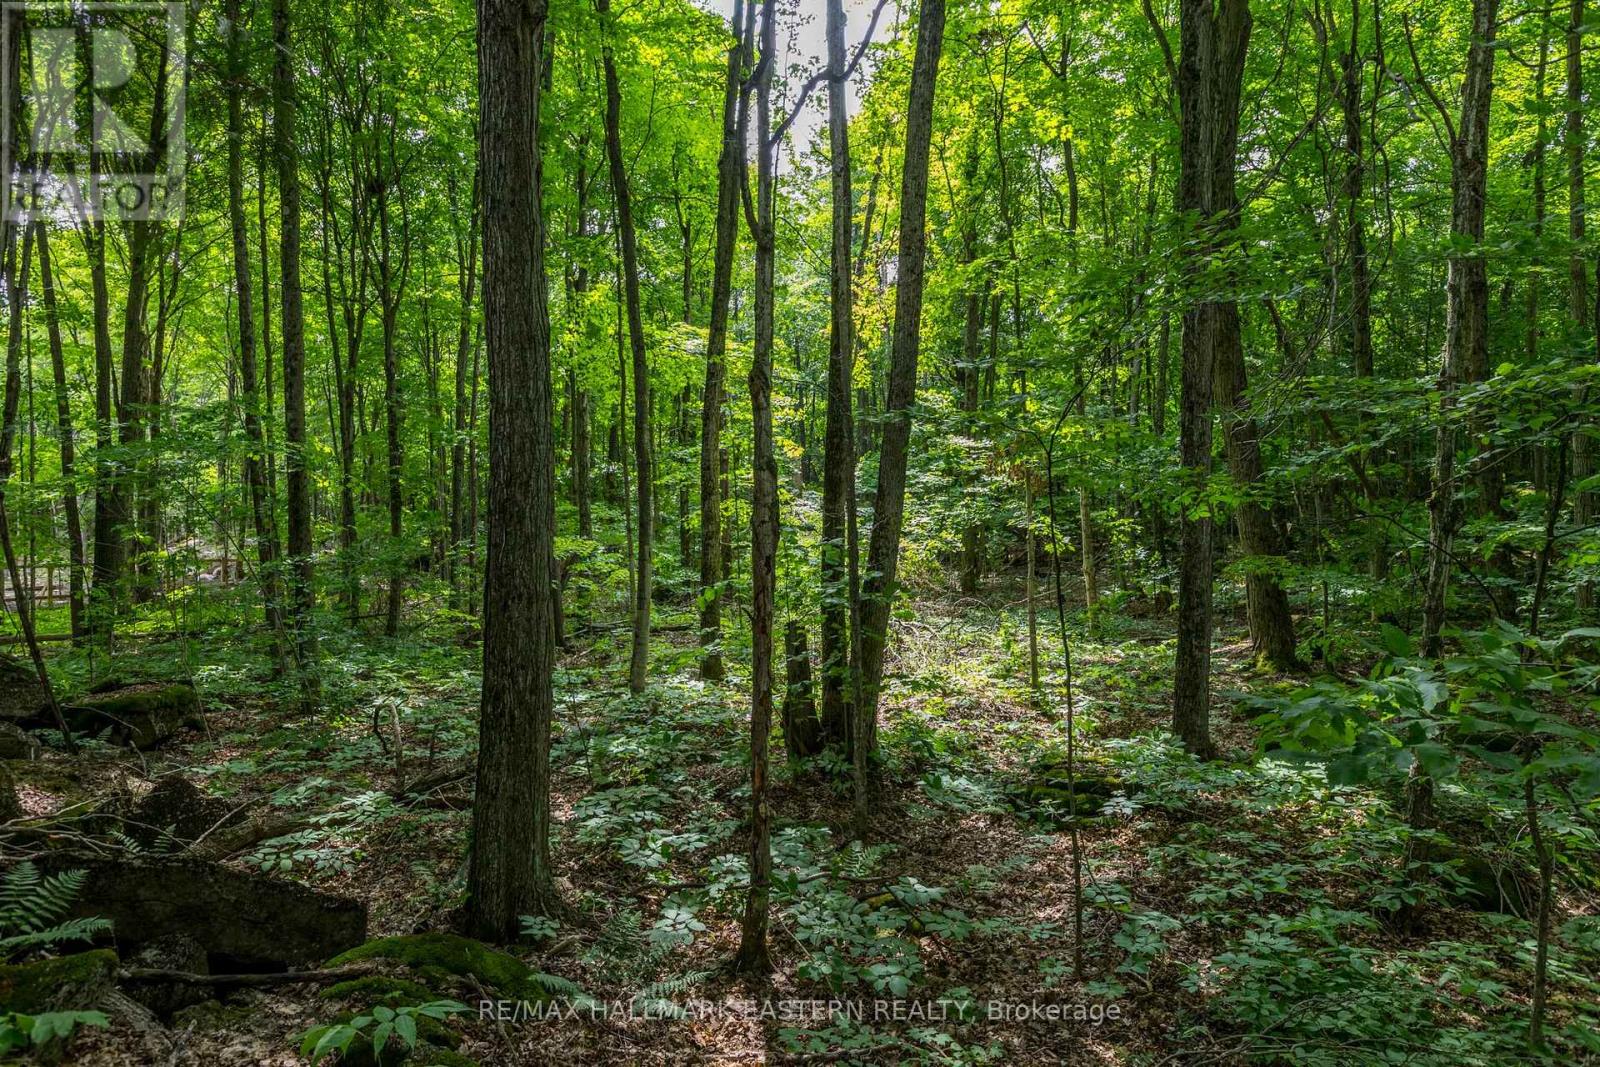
point(883, 552)
point(255, 473)
point(753, 956)
point(302, 591)
point(509, 873)
point(735, 121)
point(643, 463)
point(1466, 346)
point(839, 606)
point(1210, 77)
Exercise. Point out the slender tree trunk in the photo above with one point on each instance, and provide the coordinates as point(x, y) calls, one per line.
point(1466, 346)
point(730, 163)
point(753, 956)
point(883, 553)
point(1209, 80)
point(391, 290)
point(69, 492)
point(302, 592)
point(107, 566)
point(254, 469)
point(639, 662)
point(839, 461)
point(466, 268)
point(509, 872)
point(1585, 502)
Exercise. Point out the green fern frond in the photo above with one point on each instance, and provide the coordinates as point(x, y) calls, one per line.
point(30, 901)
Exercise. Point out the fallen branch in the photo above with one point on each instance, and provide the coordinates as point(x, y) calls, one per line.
point(252, 981)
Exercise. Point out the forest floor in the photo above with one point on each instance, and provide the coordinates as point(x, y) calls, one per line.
point(1233, 910)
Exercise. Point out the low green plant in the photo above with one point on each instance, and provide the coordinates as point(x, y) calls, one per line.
point(381, 1026)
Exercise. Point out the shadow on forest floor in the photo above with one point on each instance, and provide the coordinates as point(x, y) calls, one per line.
point(1235, 909)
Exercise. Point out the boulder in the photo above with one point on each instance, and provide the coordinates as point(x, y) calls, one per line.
point(144, 715)
point(22, 698)
point(10, 806)
point(177, 813)
point(17, 744)
point(174, 952)
point(77, 982)
point(243, 921)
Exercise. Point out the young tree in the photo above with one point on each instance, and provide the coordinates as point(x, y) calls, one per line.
point(255, 474)
point(509, 872)
point(839, 460)
point(753, 956)
point(883, 551)
point(1466, 346)
point(302, 592)
point(729, 161)
point(1210, 75)
point(639, 662)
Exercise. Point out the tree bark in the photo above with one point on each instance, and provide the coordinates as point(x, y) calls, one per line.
point(69, 493)
point(509, 872)
point(753, 956)
point(1466, 349)
point(883, 552)
point(1585, 502)
point(254, 470)
point(1213, 43)
point(302, 593)
point(839, 461)
point(639, 661)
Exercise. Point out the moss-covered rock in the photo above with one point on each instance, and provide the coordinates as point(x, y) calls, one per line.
point(144, 715)
point(21, 696)
point(75, 982)
point(438, 957)
point(380, 989)
point(16, 743)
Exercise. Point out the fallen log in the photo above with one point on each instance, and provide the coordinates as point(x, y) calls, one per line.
point(247, 981)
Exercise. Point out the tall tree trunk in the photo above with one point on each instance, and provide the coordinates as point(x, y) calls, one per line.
point(1466, 348)
point(391, 290)
point(69, 488)
point(839, 461)
point(582, 419)
point(753, 956)
point(1355, 178)
point(509, 872)
point(1213, 42)
point(639, 662)
point(254, 469)
point(1586, 504)
point(107, 564)
point(466, 270)
point(302, 593)
point(883, 552)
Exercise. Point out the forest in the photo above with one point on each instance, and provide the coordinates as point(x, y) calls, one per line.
point(944, 532)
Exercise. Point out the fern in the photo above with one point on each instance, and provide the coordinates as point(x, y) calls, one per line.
point(32, 905)
point(675, 986)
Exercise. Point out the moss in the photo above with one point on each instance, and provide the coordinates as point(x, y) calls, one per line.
point(380, 989)
point(440, 955)
point(56, 984)
point(146, 700)
point(145, 714)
